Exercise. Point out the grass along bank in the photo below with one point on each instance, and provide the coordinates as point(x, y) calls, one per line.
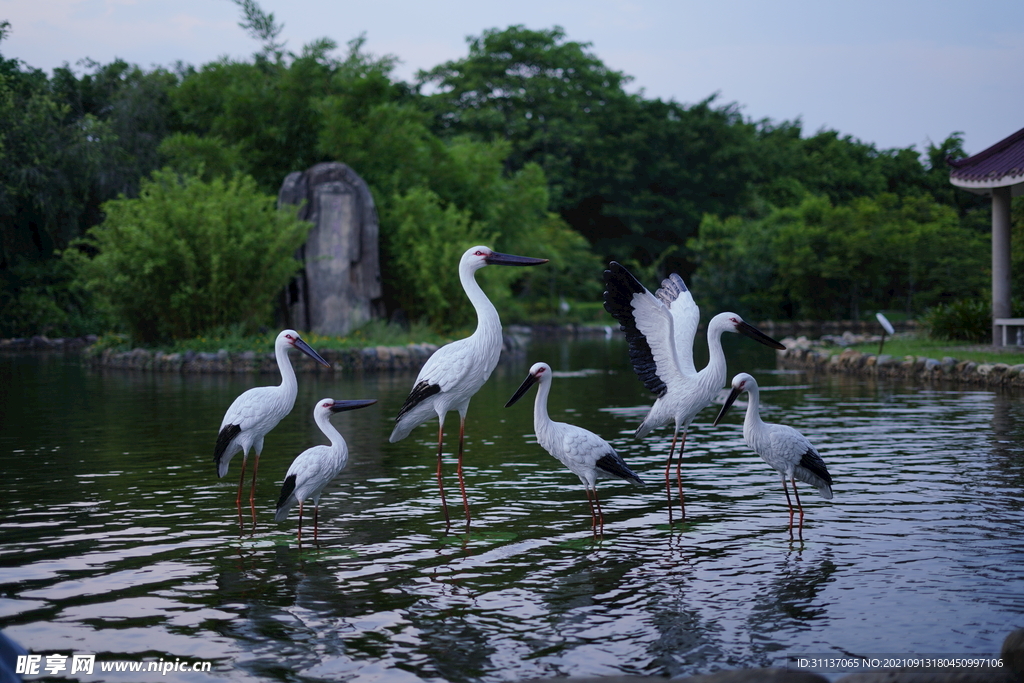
point(908, 358)
point(374, 333)
point(906, 344)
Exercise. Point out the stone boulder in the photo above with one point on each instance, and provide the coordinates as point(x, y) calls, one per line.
point(339, 288)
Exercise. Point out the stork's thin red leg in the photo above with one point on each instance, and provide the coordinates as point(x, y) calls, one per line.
point(679, 474)
point(316, 516)
point(590, 503)
point(799, 506)
point(241, 480)
point(300, 523)
point(462, 479)
point(440, 481)
point(252, 489)
point(600, 512)
point(668, 471)
point(789, 502)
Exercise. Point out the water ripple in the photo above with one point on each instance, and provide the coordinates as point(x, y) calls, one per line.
point(118, 539)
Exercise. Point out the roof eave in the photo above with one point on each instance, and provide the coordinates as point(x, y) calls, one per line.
point(1015, 182)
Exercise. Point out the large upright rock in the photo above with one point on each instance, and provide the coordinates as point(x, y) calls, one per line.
point(339, 288)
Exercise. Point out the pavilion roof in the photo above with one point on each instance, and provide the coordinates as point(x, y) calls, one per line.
point(1000, 165)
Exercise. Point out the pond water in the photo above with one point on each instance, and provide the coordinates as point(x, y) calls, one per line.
point(117, 539)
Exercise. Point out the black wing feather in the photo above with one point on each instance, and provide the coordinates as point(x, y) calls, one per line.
point(286, 490)
point(813, 463)
point(419, 393)
point(618, 300)
point(223, 440)
point(614, 465)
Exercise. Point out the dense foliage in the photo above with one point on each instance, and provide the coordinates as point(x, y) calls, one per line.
point(188, 256)
point(823, 261)
point(960, 320)
point(530, 144)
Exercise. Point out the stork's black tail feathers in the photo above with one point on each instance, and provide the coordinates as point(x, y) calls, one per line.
point(811, 470)
point(286, 501)
point(613, 464)
point(223, 441)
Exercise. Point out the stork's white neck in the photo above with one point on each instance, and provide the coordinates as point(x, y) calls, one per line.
point(338, 445)
point(288, 383)
point(752, 422)
point(714, 374)
point(488, 325)
point(541, 419)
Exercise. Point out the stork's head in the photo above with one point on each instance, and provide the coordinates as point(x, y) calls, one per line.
point(329, 405)
point(478, 257)
point(743, 382)
point(291, 338)
point(732, 322)
point(740, 383)
point(540, 372)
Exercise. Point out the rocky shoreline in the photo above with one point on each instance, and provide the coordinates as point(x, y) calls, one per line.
point(804, 354)
point(800, 353)
point(373, 358)
point(367, 359)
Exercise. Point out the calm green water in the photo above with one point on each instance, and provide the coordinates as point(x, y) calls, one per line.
point(116, 537)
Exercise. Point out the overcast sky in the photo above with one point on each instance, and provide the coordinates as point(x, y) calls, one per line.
point(894, 73)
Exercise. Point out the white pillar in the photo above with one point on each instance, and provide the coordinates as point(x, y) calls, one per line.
point(1000, 258)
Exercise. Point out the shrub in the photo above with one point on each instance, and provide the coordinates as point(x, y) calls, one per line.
point(41, 297)
point(964, 319)
point(427, 241)
point(189, 256)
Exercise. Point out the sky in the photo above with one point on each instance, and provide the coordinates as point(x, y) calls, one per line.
point(894, 73)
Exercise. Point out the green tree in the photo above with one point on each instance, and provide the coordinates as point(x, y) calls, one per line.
point(137, 113)
point(272, 111)
point(208, 157)
point(821, 261)
point(654, 171)
point(633, 176)
point(66, 145)
point(735, 267)
point(535, 89)
point(46, 168)
point(188, 256)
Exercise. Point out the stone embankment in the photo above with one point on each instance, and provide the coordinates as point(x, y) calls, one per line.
point(41, 343)
point(810, 355)
point(373, 358)
point(829, 328)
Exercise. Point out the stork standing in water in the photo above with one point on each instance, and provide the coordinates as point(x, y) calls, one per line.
point(782, 447)
point(660, 329)
point(255, 412)
point(456, 371)
point(587, 455)
point(315, 467)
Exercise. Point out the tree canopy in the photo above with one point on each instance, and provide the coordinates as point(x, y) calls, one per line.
point(529, 141)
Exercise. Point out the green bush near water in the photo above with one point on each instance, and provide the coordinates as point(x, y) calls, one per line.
point(189, 256)
point(965, 319)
